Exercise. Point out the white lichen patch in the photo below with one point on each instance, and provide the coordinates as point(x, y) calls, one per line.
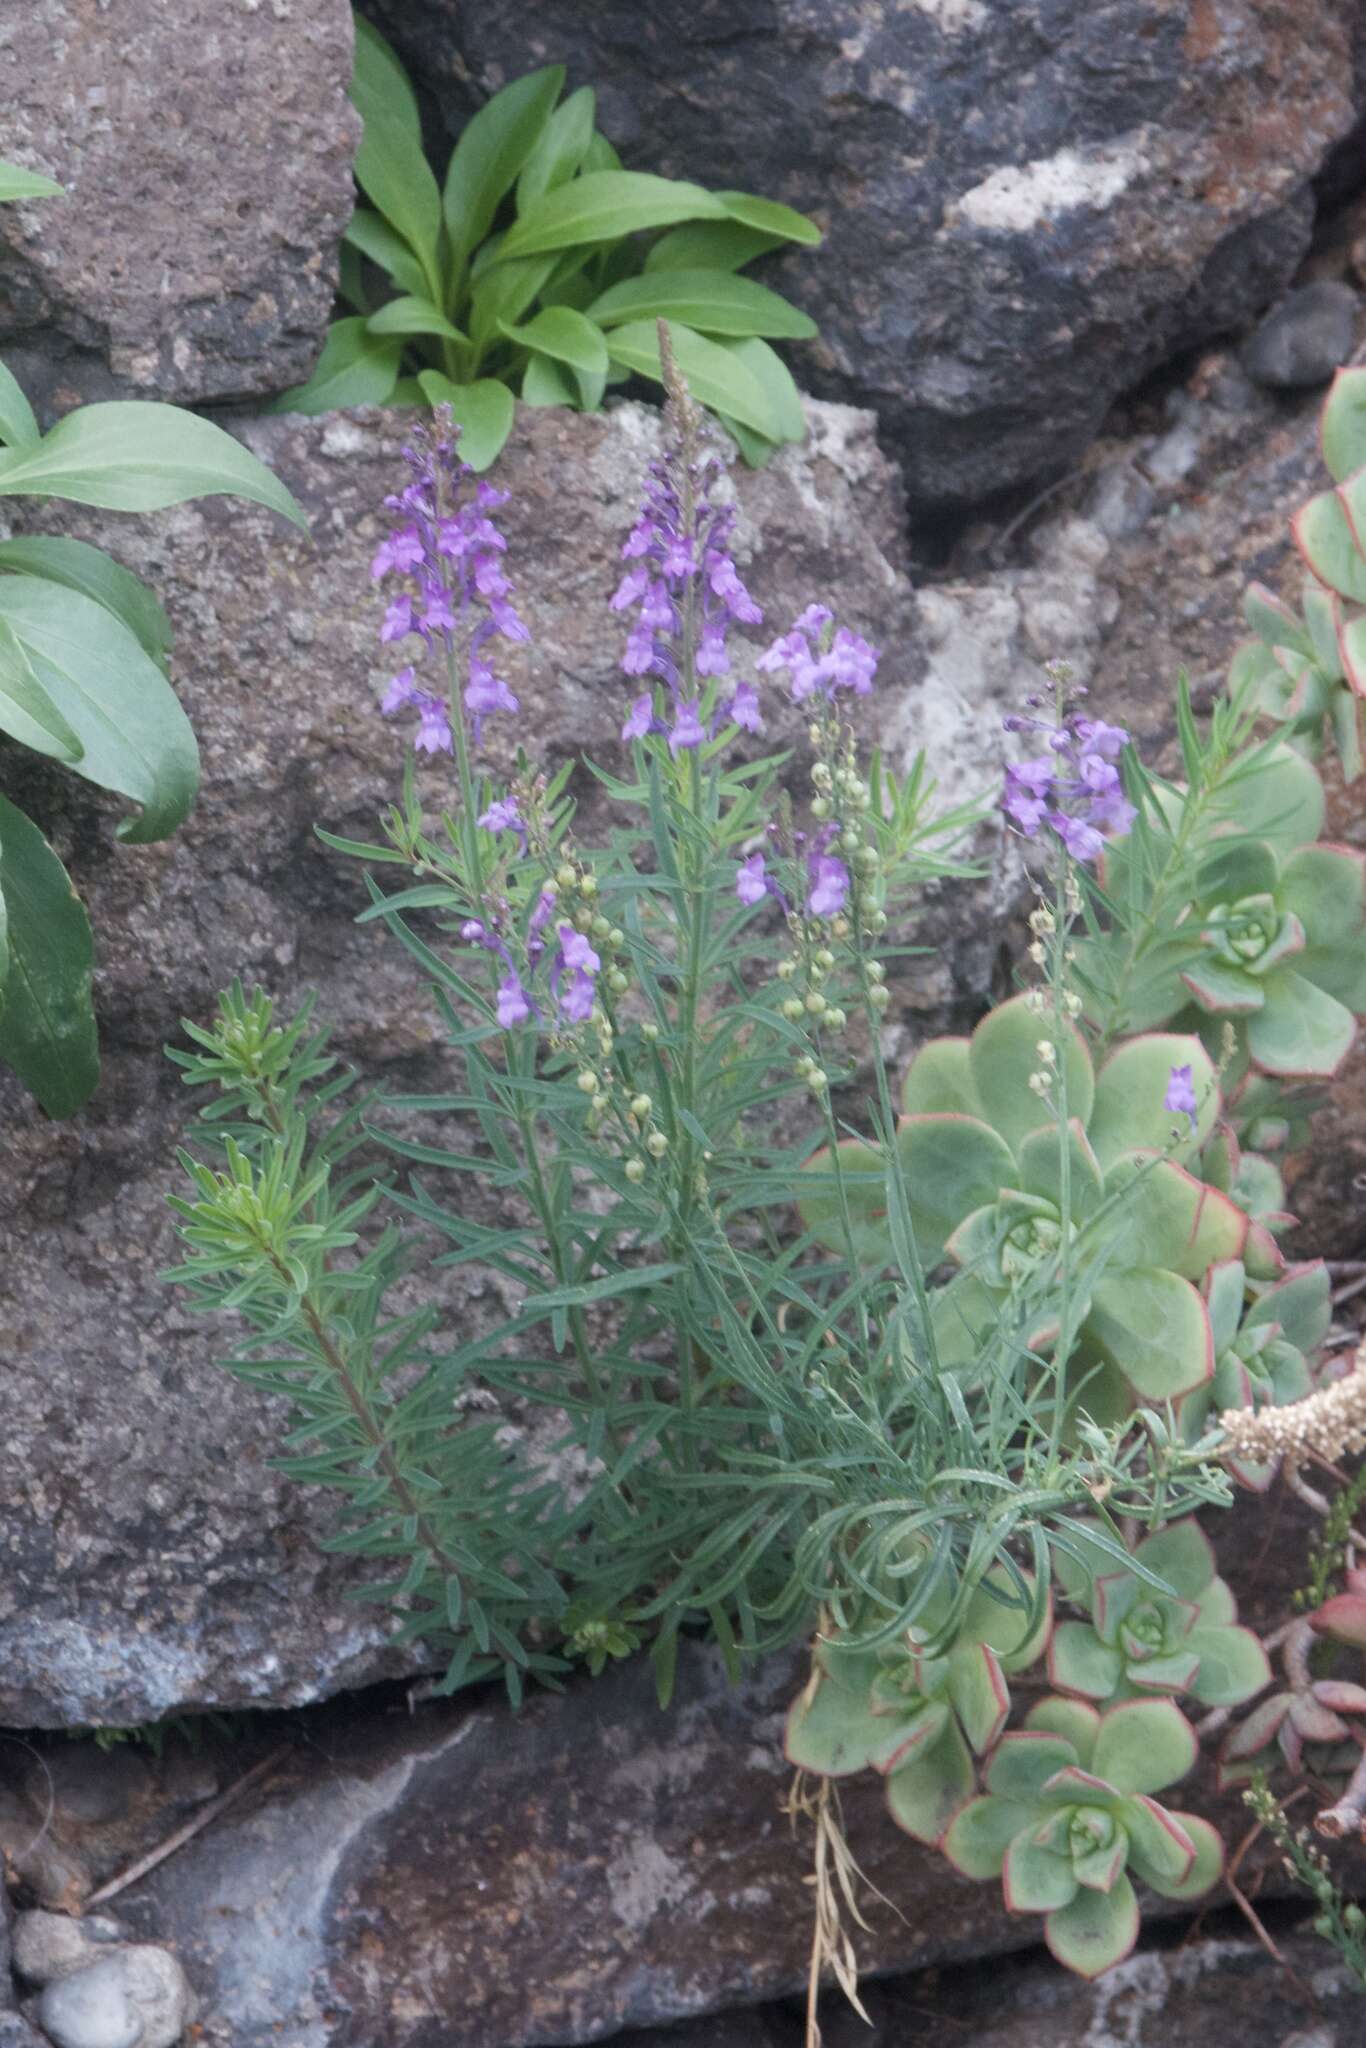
point(1016, 198)
point(644, 1880)
point(953, 16)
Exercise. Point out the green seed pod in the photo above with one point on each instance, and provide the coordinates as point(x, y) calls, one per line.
point(588, 886)
point(836, 1019)
point(879, 997)
point(656, 1144)
point(793, 1008)
point(566, 876)
point(786, 969)
point(825, 958)
point(820, 807)
point(649, 1032)
point(588, 1081)
point(617, 981)
point(816, 1080)
point(641, 1105)
point(815, 1003)
point(635, 1169)
point(600, 927)
point(616, 937)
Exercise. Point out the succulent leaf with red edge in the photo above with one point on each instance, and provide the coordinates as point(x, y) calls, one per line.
point(1266, 1339)
point(1140, 1641)
point(1068, 1817)
point(984, 1182)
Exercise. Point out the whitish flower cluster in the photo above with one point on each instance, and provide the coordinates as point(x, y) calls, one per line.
point(1331, 1423)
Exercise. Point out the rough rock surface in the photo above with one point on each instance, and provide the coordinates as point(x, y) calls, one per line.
point(1027, 206)
point(441, 1880)
point(206, 153)
point(152, 1560)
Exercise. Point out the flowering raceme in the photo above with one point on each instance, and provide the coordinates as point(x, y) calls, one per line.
point(1074, 787)
point(452, 551)
point(686, 590)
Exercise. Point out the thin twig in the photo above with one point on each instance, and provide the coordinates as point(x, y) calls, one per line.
point(187, 1833)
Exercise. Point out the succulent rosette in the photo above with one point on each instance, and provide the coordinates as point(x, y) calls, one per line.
point(1142, 1640)
point(1297, 673)
point(1068, 1820)
point(985, 1186)
point(917, 1718)
point(1264, 1349)
point(1275, 936)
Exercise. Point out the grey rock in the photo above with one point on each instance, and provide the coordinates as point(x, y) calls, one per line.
point(458, 1878)
point(131, 1998)
point(1027, 206)
point(1122, 501)
point(15, 2032)
point(154, 1561)
point(206, 154)
point(1305, 339)
point(49, 1946)
point(90, 2009)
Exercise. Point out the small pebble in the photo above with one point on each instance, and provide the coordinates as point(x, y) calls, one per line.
point(1304, 340)
point(17, 2033)
point(49, 1945)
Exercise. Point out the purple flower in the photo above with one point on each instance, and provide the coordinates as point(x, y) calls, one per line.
point(1075, 787)
point(743, 708)
point(398, 619)
point(641, 718)
point(577, 961)
point(486, 692)
point(686, 730)
point(1029, 785)
point(514, 1007)
point(751, 884)
point(503, 815)
point(404, 550)
point(472, 931)
point(578, 999)
point(819, 662)
point(829, 879)
point(433, 735)
point(401, 690)
point(1180, 1095)
point(437, 615)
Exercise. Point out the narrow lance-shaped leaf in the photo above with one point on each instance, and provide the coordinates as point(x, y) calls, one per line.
point(604, 205)
point(27, 713)
point(715, 377)
point(712, 301)
point(483, 410)
point(17, 183)
point(493, 147)
point(47, 1027)
point(130, 456)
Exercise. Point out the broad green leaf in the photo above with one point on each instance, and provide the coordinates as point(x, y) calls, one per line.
point(925, 1793)
point(1301, 1029)
point(484, 411)
point(1155, 1328)
point(488, 159)
point(380, 80)
point(414, 315)
point(374, 237)
point(1095, 1930)
point(1079, 1662)
point(863, 1177)
point(771, 217)
point(351, 279)
point(1004, 1052)
point(560, 149)
point(1036, 1878)
point(17, 183)
point(600, 155)
point(1143, 1746)
point(47, 1027)
point(1342, 424)
point(771, 373)
point(1326, 539)
point(565, 335)
point(602, 206)
point(711, 300)
point(939, 1080)
point(953, 1165)
point(77, 566)
point(714, 375)
point(129, 456)
point(18, 427)
point(545, 382)
point(136, 738)
point(710, 245)
point(1130, 1113)
point(27, 713)
point(355, 368)
point(1203, 1873)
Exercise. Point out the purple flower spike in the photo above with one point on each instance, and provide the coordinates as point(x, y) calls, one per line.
point(829, 886)
point(1074, 787)
point(446, 541)
point(743, 709)
point(1180, 1095)
point(751, 885)
point(683, 586)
